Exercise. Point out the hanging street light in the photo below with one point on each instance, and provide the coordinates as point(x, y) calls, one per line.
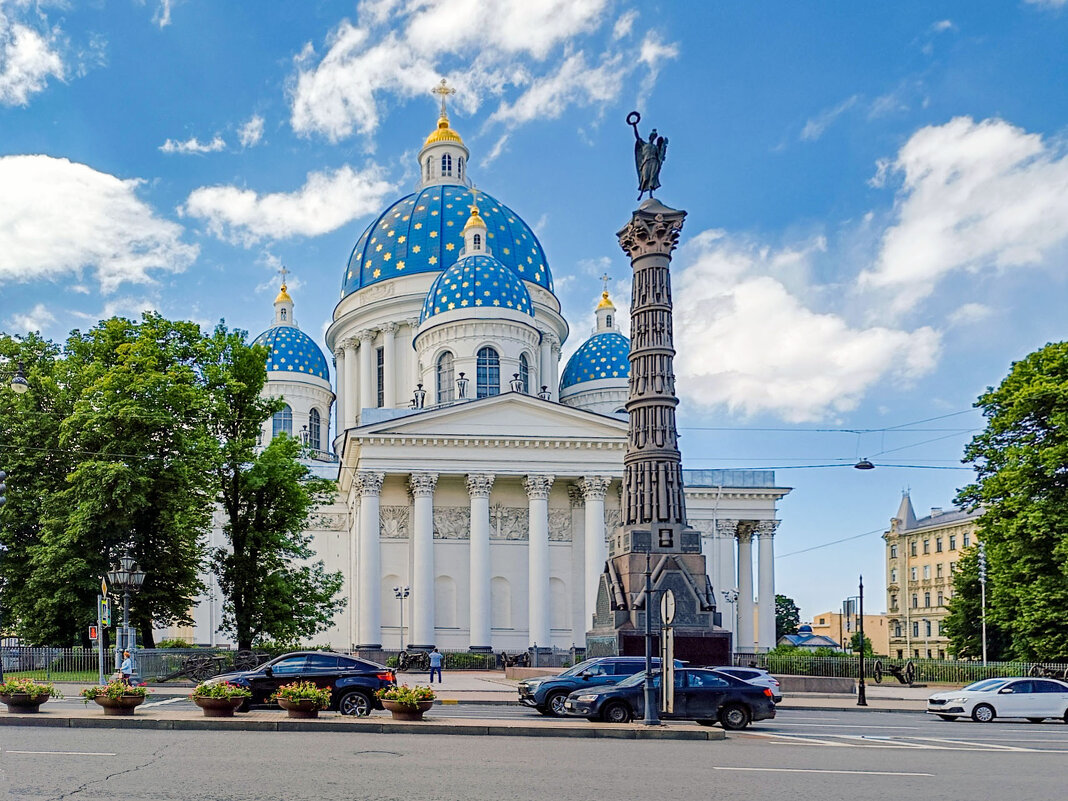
point(128, 578)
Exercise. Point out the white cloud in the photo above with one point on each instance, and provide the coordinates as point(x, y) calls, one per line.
point(193, 145)
point(28, 58)
point(36, 319)
point(1047, 3)
point(624, 24)
point(325, 202)
point(943, 25)
point(975, 196)
point(970, 313)
point(574, 82)
point(59, 218)
point(162, 17)
point(749, 343)
point(126, 306)
point(815, 126)
point(251, 132)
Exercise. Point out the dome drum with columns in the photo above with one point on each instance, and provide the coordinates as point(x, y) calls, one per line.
point(492, 501)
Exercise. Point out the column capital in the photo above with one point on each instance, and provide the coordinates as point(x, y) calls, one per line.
point(594, 488)
point(726, 527)
point(652, 229)
point(538, 486)
point(339, 352)
point(574, 494)
point(412, 322)
point(745, 530)
point(349, 343)
point(389, 328)
point(766, 528)
point(367, 335)
point(422, 484)
point(369, 482)
point(479, 485)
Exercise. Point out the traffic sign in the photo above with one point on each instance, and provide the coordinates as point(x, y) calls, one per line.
point(667, 607)
point(104, 587)
point(93, 632)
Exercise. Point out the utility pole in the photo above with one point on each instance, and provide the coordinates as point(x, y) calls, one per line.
point(982, 587)
point(862, 698)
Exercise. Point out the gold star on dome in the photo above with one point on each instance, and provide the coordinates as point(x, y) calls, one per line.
point(418, 226)
point(433, 260)
point(433, 234)
point(378, 248)
point(401, 240)
point(387, 256)
point(416, 248)
point(400, 265)
point(452, 306)
point(496, 302)
point(450, 246)
point(478, 301)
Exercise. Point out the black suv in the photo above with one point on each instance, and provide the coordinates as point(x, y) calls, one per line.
point(547, 694)
point(352, 681)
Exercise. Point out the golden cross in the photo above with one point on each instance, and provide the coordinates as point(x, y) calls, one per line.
point(474, 198)
point(444, 90)
point(283, 272)
point(604, 278)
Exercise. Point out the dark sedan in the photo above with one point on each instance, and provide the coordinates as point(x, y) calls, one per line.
point(706, 696)
point(352, 682)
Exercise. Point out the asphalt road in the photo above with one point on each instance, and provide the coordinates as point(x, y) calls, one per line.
point(827, 755)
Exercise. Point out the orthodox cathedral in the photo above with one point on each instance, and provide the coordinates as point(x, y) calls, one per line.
point(471, 472)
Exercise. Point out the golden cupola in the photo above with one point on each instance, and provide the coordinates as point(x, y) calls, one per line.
point(443, 157)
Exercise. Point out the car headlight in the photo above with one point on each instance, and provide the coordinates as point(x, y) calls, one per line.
point(590, 697)
point(957, 701)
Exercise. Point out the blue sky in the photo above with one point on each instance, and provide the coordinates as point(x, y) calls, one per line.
point(877, 197)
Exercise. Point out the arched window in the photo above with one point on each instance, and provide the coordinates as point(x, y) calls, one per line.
point(283, 421)
point(476, 241)
point(446, 164)
point(524, 373)
point(608, 321)
point(489, 373)
point(315, 430)
point(446, 378)
point(429, 167)
point(460, 168)
point(281, 314)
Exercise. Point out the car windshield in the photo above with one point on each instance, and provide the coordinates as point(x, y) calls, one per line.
point(581, 667)
point(985, 686)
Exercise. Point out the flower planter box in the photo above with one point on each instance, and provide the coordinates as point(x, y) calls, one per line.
point(23, 703)
point(123, 705)
point(406, 712)
point(300, 709)
point(218, 707)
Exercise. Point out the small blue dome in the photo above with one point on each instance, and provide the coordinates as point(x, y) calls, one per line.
point(477, 281)
point(603, 355)
point(421, 233)
point(293, 351)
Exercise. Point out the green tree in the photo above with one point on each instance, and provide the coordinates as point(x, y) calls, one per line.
point(139, 479)
point(787, 616)
point(271, 589)
point(1021, 464)
point(854, 644)
point(964, 623)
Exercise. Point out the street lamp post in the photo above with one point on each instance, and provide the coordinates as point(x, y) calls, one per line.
point(862, 698)
point(18, 385)
point(731, 597)
point(401, 593)
point(652, 708)
point(3, 550)
point(127, 577)
point(982, 587)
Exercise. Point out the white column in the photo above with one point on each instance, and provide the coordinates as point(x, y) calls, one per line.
point(594, 489)
point(422, 605)
point(415, 375)
point(370, 560)
point(479, 487)
point(554, 368)
point(726, 574)
point(539, 604)
point(745, 635)
point(339, 364)
point(545, 366)
point(367, 386)
point(765, 530)
point(389, 365)
point(352, 400)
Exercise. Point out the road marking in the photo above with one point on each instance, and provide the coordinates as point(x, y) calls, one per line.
point(849, 726)
point(161, 703)
point(979, 745)
point(61, 753)
point(818, 770)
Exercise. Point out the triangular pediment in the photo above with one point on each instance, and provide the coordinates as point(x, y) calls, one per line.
point(509, 415)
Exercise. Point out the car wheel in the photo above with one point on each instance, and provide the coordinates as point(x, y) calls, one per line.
point(616, 713)
point(545, 711)
point(948, 717)
point(707, 722)
point(554, 703)
point(734, 717)
point(354, 703)
point(984, 713)
point(1035, 720)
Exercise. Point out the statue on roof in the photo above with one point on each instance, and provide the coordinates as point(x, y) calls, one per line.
point(649, 156)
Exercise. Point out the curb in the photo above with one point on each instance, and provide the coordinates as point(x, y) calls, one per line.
point(368, 727)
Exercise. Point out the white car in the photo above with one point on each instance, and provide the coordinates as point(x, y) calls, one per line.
point(1033, 699)
point(757, 676)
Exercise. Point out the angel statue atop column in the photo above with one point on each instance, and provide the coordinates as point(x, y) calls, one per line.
point(649, 156)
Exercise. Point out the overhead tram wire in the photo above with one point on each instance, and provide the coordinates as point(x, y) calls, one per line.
point(829, 544)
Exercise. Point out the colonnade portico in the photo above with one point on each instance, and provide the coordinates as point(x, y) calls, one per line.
point(754, 627)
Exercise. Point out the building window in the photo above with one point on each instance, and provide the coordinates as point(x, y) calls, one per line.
point(916, 652)
point(927, 628)
point(460, 168)
point(823, 621)
point(893, 552)
point(283, 421)
point(915, 600)
point(912, 547)
point(315, 430)
point(967, 540)
point(941, 653)
point(927, 599)
point(941, 601)
point(952, 542)
point(926, 546)
point(897, 629)
point(476, 242)
point(916, 631)
point(941, 628)
point(893, 602)
point(938, 545)
point(608, 320)
point(524, 372)
point(928, 650)
point(938, 570)
point(429, 167)
point(446, 378)
point(446, 165)
point(893, 576)
point(380, 375)
point(952, 566)
point(488, 373)
point(912, 574)
point(926, 572)
point(281, 314)
point(900, 653)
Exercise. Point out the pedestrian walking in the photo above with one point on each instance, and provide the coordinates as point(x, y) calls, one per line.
point(126, 668)
point(436, 658)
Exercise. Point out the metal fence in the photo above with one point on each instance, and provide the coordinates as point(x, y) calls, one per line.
point(940, 671)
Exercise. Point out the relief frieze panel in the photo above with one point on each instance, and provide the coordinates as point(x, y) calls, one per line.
point(394, 522)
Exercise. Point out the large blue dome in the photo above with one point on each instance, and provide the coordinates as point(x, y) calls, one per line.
point(476, 281)
point(293, 351)
point(421, 233)
point(603, 355)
